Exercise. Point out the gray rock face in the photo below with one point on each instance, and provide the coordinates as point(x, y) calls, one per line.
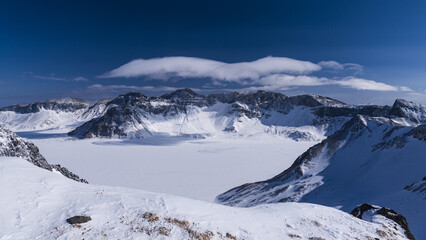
point(411, 111)
point(11, 145)
point(418, 132)
point(365, 208)
point(61, 104)
point(78, 219)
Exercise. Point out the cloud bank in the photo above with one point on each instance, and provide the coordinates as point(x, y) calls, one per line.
point(189, 67)
point(270, 73)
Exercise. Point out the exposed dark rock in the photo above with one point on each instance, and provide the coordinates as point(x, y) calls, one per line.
point(11, 145)
point(418, 132)
point(78, 219)
point(182, 94)
point(129, 99)
point(359, 210)
point(418, 187)
point(131, 109)
point(411, 111)
point(314, 101)
point(386, 212)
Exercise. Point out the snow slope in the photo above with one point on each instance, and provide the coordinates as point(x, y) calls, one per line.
point(35, 204)
point(368, 160)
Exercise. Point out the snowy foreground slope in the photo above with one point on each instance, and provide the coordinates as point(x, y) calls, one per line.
point(373, 160)
point(35, 204)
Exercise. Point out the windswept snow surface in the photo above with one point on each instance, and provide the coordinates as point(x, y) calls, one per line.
point(181, 165)
point(35, 203)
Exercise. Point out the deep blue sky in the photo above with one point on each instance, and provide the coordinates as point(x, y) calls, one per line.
point(65, 40)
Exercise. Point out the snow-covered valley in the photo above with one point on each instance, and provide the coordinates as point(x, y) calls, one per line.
point(190, 167)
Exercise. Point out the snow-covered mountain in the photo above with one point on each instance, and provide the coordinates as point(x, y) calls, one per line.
point(379, 160)
point(36, 204)
point(62, 113)
point(11, 145)
point(184, 112)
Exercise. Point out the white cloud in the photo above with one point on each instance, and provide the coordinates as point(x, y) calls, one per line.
point(269, 73)
point(336, 66)
point(53, 77)
point(283, 80)
point(80, 79)
point(121, 88)
point(364, 84)
point(189, 67)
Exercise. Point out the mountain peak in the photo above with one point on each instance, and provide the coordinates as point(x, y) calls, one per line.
point(184, 93)
point(311, 100)
point(414, 112)
point(130, 98)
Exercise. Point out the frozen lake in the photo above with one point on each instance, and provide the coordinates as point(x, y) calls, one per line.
point(184, 166)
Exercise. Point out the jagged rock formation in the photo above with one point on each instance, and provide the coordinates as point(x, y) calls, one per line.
point(11, 145)
point(135, 115)
point(369, 212)
point(408, 111)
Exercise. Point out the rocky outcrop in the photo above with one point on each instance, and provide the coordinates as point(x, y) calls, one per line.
point(365, 209)
point(11, 145)
point(418, 187)
point(410, 111)
point(399, 141)
point(78, 219)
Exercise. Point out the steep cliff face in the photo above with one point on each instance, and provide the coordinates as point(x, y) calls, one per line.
point(12, 145)
point(408, 112)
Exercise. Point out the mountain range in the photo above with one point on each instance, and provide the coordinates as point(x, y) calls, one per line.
point(364, 153)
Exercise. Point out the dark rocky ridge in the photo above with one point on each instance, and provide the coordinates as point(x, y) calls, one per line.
point(62, 104)
point(11, 145)
point(134, 106)
point(386, 212)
